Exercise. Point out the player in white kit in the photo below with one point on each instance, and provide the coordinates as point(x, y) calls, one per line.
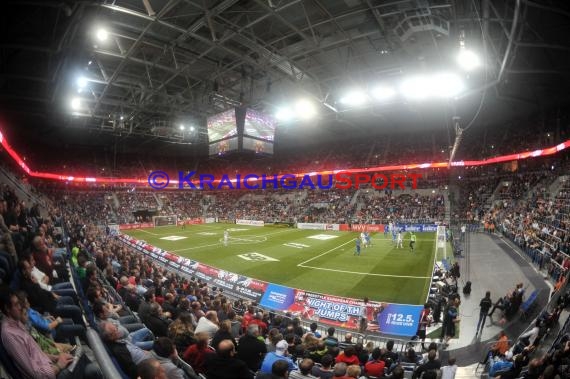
point(363, 239)
point(399, 243)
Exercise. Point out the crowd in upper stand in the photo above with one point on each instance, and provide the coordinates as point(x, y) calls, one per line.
point(325, 206)
point(524, 208)
point(392, 147)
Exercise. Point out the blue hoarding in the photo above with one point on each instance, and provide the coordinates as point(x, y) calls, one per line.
point(417, 227)
point(399, 319)
point(278, 297)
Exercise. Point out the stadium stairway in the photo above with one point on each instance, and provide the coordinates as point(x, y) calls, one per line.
point(465, 372)
point(158, 200)
point(538, 187)
point(555, 187)
point(487, 253)
point(22, 190)
point(447, 204)
point(115, 201)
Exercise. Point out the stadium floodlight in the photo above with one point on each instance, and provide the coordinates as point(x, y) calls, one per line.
point(284, 114)
point(181, 127)
point(383, 93)
point(468, 60)
point(102, 34)
point(354, 98)
point(75, 103)
point(305, 109)
point(81, 82)
point(447, 85)
point(416, 88)
point(192, 128)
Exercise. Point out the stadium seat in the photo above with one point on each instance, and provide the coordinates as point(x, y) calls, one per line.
point(527, 306)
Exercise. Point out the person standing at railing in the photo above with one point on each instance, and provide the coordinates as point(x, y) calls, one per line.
point(450, 318)
point(485, 304)
point(559, 284)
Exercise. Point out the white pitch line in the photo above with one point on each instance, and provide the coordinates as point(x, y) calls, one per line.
point(365, 273)
point(152, 234)
point(220, 243)
point(326, 252)
point(195, 247)
point(247, 240)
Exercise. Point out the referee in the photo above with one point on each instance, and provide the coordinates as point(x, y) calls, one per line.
point(412, 242)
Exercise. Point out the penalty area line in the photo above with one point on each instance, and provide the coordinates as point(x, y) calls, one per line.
point(326, 252)
point(365, 273)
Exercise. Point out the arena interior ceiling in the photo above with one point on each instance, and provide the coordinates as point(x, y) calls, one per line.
point(145, 67)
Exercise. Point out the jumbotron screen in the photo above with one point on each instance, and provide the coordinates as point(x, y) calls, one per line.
point(257, 146)
point(223, 147)
point(222, 125)
point(259, 125)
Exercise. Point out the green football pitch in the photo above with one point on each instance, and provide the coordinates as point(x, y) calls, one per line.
point(313, 260)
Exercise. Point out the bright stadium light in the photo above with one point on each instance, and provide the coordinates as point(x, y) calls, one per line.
point(75, 103)
point(81, 82)
point(354, 98)
point(284, 114)
point(305, 109)
point(416, 88)
point(181, 127)
point(468, 60)
point(102, 34)
point(447, 85)
point(383, 93)
point(192, 129)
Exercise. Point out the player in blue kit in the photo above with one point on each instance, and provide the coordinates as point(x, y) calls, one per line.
point(367, 239)
point(357, 251)
point(394, 234)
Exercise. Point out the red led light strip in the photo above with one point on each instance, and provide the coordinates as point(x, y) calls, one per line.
point(504, 158)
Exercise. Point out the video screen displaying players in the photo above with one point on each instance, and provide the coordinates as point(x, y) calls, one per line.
point(259, 125)
point(224, 146)
point(257, 146)
point(222, 125)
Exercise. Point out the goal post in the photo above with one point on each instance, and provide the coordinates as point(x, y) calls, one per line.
point(441, 242)
point(171, 220)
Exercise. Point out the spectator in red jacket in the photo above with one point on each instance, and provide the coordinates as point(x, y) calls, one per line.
point(376, 366)
point(197, 354)
point(348, 356)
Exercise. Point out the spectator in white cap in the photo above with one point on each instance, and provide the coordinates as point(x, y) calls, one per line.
point(280, 353)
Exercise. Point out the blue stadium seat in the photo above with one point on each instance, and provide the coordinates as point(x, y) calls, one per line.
point(527, 306)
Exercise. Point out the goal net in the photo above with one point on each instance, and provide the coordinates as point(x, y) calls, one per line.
point(165, 220)
point(441, 242)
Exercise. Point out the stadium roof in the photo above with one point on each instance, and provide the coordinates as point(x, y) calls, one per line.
point(169, 62)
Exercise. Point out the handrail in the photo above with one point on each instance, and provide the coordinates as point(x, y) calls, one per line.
point(102, 357)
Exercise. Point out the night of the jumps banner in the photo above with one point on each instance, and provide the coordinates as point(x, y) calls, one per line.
point(386, 318)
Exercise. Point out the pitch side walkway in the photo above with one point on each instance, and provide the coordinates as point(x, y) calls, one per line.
point(494, 265)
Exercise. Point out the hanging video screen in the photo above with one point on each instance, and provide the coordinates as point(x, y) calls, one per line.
point(223, 147)
point(257, 146)
point(259, 125)
point(222, 125)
